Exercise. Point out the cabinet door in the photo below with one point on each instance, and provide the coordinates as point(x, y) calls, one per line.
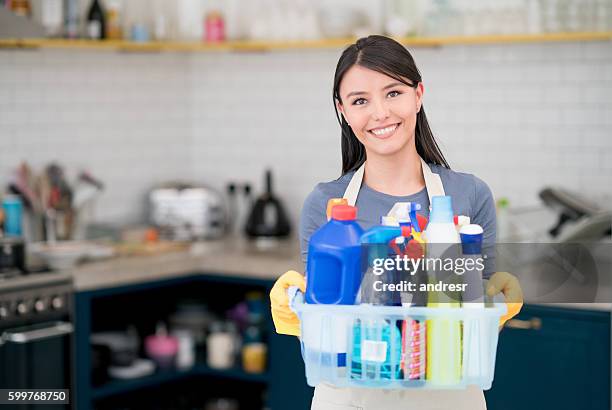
point(288, 388)
point(553, 359)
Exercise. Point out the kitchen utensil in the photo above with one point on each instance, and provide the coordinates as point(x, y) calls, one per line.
point(161, 347)
point(254, 357)
point(13, 213)
point(67, 254)
point(193, 316)
point(123, 346)
point(579, 219)
point(186, 212)
point(268, 217)
point(150, 248)
point(221, 346)
point(185, 356)
point(138, 368)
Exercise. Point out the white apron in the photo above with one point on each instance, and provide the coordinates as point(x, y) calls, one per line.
point(327, 397)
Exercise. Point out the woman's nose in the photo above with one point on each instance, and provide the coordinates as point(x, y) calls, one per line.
point(381, 110)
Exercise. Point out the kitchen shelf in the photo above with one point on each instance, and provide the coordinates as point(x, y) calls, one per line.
point(116, 387)
point(261, 46)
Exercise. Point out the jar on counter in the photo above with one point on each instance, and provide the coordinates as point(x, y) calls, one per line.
point(254, 357)
point(221, 345)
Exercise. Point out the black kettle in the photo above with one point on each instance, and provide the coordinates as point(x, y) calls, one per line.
point(267, 217)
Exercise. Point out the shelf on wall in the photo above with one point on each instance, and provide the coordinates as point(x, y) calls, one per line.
point(116, 387)
point(259, 46)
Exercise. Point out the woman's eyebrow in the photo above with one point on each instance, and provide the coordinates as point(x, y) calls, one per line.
point(386, 87)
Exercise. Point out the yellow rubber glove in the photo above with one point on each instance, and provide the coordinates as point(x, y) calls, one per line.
point(509, 285)
point(285, 320)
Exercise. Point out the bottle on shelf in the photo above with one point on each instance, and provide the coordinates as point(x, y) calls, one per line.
point(113, 20)
point(51, 16)
point(21, 8)
point(96, 22)
point(71, 18)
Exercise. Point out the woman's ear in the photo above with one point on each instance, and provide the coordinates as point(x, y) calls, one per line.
point(419, 96)
point(340, 108)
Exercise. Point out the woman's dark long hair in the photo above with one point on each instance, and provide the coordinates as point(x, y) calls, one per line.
point(388, 57)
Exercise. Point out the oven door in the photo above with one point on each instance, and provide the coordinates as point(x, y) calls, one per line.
point(36, 357)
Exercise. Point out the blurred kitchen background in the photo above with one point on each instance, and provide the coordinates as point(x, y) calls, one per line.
point(161, 129)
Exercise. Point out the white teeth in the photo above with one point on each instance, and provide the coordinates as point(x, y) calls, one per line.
point(384, 131)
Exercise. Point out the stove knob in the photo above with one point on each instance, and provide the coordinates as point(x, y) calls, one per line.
point(57, 302)
point(22, 308)
point(4, 312)
point(39, 305)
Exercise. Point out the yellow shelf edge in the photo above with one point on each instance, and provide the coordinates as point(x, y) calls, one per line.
point(257, 46)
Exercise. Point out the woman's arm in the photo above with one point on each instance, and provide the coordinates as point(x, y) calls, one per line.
point(483, 214)
point(499, 282)
point(313, 216)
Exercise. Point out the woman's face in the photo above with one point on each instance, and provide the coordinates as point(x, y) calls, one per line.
point(380, 110)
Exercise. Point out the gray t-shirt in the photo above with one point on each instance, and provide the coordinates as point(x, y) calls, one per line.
point(470, 196)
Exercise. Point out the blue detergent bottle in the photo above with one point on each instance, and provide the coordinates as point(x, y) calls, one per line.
point(333, 271)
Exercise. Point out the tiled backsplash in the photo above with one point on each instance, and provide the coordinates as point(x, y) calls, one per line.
point(518, 116)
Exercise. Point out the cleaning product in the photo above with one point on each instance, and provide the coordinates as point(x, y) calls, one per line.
point(333, 202)
point(443, 334)
point(471, 245)
point(441, 226)
point(375, 245)
point(405, 213)
point(376, 351)
point(413, 347)
point(333, 275)
point(333, 269)
point(475, 353)
point(412, 361)
point(461, 221)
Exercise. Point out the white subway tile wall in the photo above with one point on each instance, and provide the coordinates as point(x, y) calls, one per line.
point(518, 116)
point(124, 117)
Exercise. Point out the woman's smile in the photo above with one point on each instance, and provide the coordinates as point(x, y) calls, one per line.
point(384, 132)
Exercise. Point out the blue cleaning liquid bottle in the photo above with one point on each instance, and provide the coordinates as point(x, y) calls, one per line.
point(333, 271)
point(333, 275)
point(376, 348)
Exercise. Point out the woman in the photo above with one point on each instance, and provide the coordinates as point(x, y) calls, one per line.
point(389, 155)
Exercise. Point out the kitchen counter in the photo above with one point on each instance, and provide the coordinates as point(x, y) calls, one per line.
point(231, 256)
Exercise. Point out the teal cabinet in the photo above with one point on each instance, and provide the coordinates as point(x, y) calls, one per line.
point(553, 358)
point(282, 386)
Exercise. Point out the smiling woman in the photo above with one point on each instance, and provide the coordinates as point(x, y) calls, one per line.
point(389, 155)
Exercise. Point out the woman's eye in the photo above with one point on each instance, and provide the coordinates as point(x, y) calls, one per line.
point(393, 94)
point(359, 101)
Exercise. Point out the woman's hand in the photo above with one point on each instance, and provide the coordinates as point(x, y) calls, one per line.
point(509, 285)
point(285, 320)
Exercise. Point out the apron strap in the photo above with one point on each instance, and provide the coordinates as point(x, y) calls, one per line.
point(352, 190)
point(433, 184)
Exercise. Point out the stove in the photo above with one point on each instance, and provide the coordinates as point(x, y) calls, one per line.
point(36, 331)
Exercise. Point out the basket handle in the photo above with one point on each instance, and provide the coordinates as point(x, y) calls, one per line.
point(295, 296)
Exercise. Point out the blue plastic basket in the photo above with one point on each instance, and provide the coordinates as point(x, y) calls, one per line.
point(358, 345)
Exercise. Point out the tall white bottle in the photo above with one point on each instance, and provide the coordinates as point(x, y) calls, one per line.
point(441, 228)
point(443, 334)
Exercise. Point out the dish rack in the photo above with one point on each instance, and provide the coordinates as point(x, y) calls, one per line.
point(398, 347)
